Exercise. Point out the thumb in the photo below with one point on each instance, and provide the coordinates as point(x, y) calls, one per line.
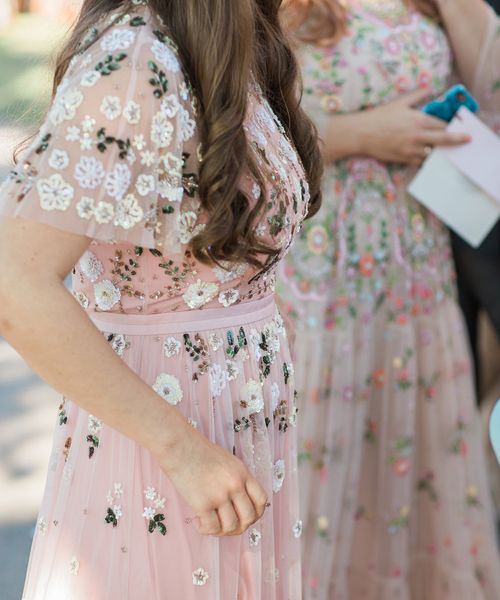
point(414, 98)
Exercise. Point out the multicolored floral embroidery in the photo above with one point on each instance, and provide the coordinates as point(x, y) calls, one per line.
point(151, 513)
point(114, 511)
point(94, 427)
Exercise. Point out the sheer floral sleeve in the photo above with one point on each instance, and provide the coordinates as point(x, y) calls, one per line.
point(108, 162)
point(487, 83)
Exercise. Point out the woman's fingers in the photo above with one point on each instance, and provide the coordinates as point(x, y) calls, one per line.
point(257, 495)
point(209, 523)
point(229, 519)
point(247, 513)
point(414, 98)
point(442, 138)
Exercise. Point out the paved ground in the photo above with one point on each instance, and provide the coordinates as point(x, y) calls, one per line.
point(28, 410)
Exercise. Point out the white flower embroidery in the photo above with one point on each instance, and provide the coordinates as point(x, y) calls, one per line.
point(169, 388)
point(254, 536)
point(117, 509)
point(73, 134)
point(74, 566)
point(187, 227)
point(128, 212)
point(278, 475)
point(111, 107)
point(162, 130)
point(58, 160)
point(145, 184)
point(85, 208)
point(106, 295)
point(170, 106)
point(171, 347)
point(170, 178)
point(187, 125)
point(159, 502)
point(297, 529)
point(229, 271)
point(228, 297)
point(260, 230)
point(82, 299)
point(89, 172)
point(55, 193)
point(118, 490)
point(233, 370)
point(251, 396)
point(65, 106)
point(275, 395)
point(149, 512)
point(94, 425)
point(200, 293)
point(91, 266)
point(88, 124)
point(119, 344)
point(104, 212)
point(118, 181)
point(148, 158)
point(215, 341)
point(218, 379)
point(42, 525)
point(256, 191)
point(200, 577)
point(255, 339)
point(132, 112)
point(118, 39)
point(139, 142)
point(165, 56)
point(193, 423)
point(90, 78)
point(150, 493)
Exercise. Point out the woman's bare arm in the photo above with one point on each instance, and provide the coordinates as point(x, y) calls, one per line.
point(466, 22)
point(51, 331)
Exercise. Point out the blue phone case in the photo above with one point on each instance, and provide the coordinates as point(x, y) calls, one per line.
point(447, 106)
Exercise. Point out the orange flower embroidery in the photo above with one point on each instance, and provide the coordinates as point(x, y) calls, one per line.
point(366, 265)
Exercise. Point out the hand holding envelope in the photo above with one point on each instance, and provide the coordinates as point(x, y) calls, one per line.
point(461, 185)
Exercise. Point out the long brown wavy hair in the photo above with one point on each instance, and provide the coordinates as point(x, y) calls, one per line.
point(224, 45)
point(324, 21)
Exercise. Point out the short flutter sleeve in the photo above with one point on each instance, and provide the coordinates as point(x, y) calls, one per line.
point(109, 159)
point(486, 86)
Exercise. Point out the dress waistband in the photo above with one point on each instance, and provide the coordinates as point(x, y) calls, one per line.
point(186, 321)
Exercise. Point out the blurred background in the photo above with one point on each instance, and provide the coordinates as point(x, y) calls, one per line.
point(30, 33)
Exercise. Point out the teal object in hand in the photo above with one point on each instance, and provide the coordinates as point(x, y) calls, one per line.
point(495, 429)
point(447, 106)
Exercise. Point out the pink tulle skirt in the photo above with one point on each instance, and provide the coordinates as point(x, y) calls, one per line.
point(112, 527)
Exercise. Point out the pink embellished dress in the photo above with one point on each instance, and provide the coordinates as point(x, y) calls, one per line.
point(394, 493)
point(117, 160)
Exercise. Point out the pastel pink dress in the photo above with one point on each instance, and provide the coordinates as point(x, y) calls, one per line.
point(393, 483)
point(117, 160)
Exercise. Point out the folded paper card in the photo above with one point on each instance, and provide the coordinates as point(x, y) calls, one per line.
point(461, 185)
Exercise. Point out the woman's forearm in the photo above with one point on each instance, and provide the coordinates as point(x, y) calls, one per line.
point(50, 330)
point(344, 137)
point(466, 22)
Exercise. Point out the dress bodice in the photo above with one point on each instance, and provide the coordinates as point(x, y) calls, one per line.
point(117, 160)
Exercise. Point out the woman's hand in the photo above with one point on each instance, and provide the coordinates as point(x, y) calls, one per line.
point(216, 485)
point(42, 321)
point(397, 132)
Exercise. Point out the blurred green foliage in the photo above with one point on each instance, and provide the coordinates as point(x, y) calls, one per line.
point(27, 51)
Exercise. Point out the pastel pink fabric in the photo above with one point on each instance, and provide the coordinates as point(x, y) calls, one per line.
point(117, 161)
point(393, 481)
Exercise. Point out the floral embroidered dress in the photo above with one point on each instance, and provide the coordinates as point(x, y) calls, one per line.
point(117, 161)
point(390, 460)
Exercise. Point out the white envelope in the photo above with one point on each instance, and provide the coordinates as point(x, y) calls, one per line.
point(461, 185)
